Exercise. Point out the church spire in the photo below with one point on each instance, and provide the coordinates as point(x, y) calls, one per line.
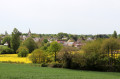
point(29, 33)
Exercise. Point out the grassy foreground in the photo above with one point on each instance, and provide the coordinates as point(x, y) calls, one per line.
point(26, 71)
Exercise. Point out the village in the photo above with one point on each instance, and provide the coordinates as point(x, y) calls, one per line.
point(64, 41)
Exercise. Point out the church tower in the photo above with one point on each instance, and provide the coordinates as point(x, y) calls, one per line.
point(29, 33)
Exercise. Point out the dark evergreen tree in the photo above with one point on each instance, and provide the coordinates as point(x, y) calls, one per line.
point(15, 39)
point(114, 34)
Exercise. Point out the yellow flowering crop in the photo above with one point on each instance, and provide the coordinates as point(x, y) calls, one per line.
point(14, 58)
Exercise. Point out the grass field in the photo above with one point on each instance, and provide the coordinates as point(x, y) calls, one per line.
point(27, 71)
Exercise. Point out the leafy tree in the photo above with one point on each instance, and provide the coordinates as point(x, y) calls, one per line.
point(30, 44)
point(45, 40)
point(7, 39)
point(37, 56)
point(55, 47)
point(114, 34)
point(74, 37)
point(92, 53)
point(15, 40)
point(101, 36)
point(61, 35)
point(110, 46)
point(45, 46)
point(6, 33)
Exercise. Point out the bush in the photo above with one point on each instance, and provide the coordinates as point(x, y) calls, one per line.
point(37, 56)
point(22, 47)
point(65, 57)
point(56, 65)
point(44, 65)
point(23, 53)
point(72, 61)
point(6, 50)
point(78, 61)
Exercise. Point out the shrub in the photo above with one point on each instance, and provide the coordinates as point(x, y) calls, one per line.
point(22, 47)
point(44, 65)
point(78, 61)
point(56, 65)
point(37, 56)
point(23, 53)
point(65, 57)
point(72, 61)
point(6, 50)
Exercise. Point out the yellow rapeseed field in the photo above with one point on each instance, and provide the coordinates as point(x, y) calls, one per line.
point(14, 58)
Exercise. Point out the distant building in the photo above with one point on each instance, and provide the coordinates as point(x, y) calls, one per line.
point(89, 39)
point(36, 39)
point(29, 33)
point(64, 38)
point(61, 41)
point(6, 44)
point(24, 37)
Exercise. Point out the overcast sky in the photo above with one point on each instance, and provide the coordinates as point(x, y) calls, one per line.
point(53, 16)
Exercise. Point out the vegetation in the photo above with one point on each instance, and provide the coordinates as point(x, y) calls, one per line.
point(30, 44)
point(13, 58)
point(37, 56)
point(94, 52)
point(7, 39)
point(18, 71)
point(114, 34)
point(22, 47)
point(6, 50)
point(100, 55)
point(23, 52)
point(15, 40)
point(70, 59)
point(55, 47)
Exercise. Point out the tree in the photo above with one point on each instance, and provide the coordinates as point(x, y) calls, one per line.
point(30, 44)
point(110, 46)
point(37, 56)
point(55, 47)
point(92, 53)
point(6, 33)
point(7, 39)
point(114, 34)
point(61, 35)
point(45, 40)
point(15, 40)
point(75, 37)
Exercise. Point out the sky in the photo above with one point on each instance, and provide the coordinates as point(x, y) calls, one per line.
point(54, 16)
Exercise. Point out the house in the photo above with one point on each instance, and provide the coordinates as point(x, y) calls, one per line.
point(52, 39)
point(78, 44)
point(23, 37)
point(64, 38)
point(6, 44)
point(37, 39)
point(70, 44)
point(89, 39)
point(61, 41)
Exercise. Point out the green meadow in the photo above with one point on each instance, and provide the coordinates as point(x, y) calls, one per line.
point(30, 71)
